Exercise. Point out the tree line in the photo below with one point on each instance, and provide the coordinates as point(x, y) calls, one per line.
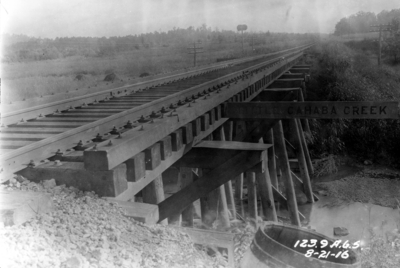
point(24, 48)
point(361, 22)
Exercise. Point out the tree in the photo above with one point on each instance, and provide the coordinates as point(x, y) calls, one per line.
point(395, 25)
point(392, 47)
point(342, 27)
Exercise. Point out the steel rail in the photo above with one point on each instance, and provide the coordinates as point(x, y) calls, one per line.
point(48, 108)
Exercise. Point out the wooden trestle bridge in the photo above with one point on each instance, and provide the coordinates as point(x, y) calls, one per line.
point(119, 142)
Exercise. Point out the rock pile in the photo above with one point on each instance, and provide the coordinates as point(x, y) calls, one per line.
point(87, 231)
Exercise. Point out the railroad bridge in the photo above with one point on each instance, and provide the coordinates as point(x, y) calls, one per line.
point(121, 142)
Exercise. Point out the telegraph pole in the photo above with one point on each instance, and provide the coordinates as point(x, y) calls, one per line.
point(381, 28)
point(194, 50)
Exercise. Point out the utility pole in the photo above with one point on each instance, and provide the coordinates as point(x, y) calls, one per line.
point(194, 50)
point(381, 28)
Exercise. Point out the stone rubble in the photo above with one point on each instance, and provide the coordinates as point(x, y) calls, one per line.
point(340, 231)
point(87, 231)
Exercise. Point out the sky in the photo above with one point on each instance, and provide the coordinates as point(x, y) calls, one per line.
point(97, 18)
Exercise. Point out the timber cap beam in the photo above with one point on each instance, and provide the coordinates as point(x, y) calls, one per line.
point(282, 89)
point(291, 76)
point(233, 145)
point(299, 70)
point(221, 151)
point(287, 83)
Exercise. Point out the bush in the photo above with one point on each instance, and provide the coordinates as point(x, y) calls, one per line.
point(343, 75)
point(392, 47)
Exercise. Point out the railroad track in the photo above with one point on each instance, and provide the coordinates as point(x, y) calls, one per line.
point(92, 122)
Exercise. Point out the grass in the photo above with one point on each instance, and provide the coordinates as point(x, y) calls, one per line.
point(25, 80)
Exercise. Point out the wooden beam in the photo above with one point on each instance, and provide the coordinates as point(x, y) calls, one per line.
point(165, 147)
point(152, 156)
point(222, 202)
point(233, 145)
point(186, 177)
point(142, 212)
point(313, 109)
point(286, 175)
point(176, 140)
point(223, 207)
point(310, 166)
point(269, 138)
point(259, 168)
point(230, 199)
point(302, 161)
point(175, 219)
point(187, 133)
point(153, 193)
point(239, 187)
point(199, 157)
point(136, 169)
point(301, 66)
point(239, 130)
point(228, 127)
point(287, 83)
point(265, 190)
point(209, 202)
point(252, 195)
point(299, 70)
point(282, 89)
point(291, 76)
point(104, 183)
point(204, 205)
point(305, 120)
point(301, 182)
point(278, 196)
point(228, 134)
point(210, 181)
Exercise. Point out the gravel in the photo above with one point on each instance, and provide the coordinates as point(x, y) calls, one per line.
point(87, 231)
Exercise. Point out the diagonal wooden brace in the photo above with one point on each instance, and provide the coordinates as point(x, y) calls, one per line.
point(234, 166)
